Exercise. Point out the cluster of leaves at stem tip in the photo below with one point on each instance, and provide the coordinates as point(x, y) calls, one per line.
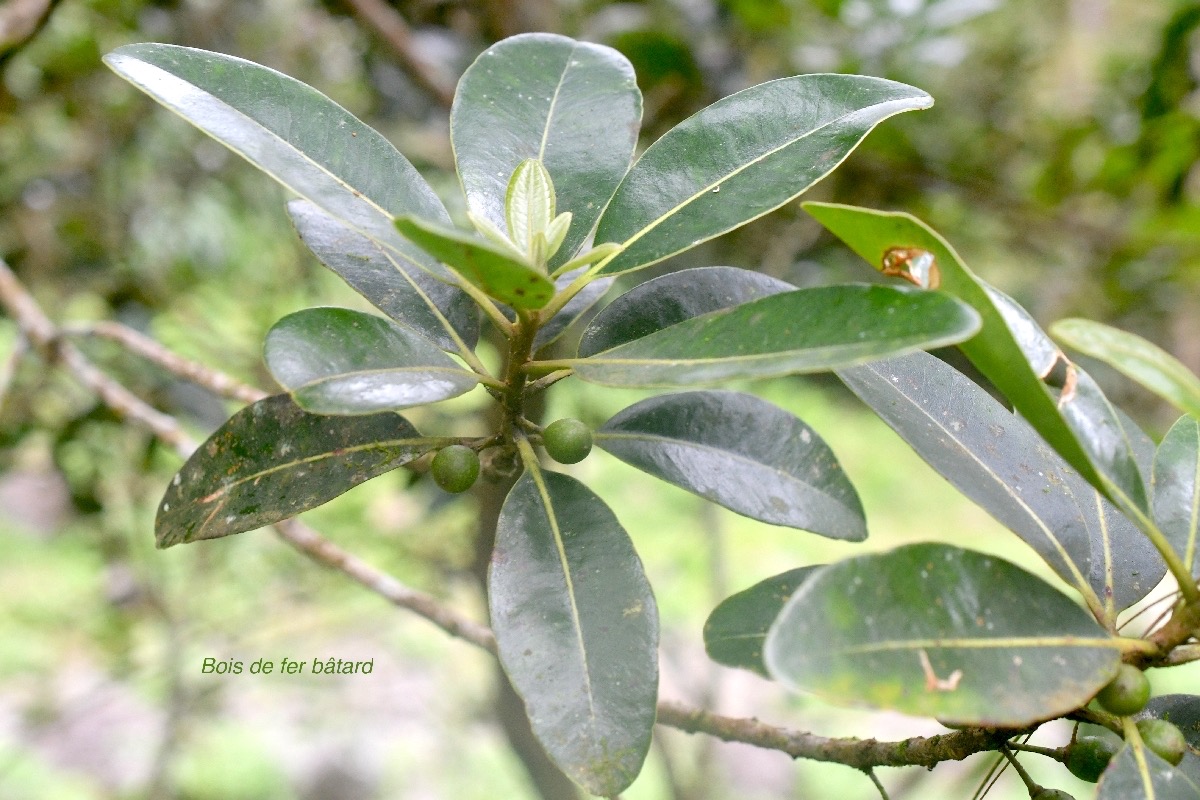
point(544, 130)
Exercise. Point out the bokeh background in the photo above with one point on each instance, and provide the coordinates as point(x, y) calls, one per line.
point(1061, 159)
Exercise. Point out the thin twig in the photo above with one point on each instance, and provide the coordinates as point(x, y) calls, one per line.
point(1026, 778)
point(878, 785)
point(391, 27)
point(140, 344)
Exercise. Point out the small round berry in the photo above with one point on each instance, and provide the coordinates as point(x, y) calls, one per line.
point(1089, 755)
point(1164, 738)
point(567, 441)
point(455, 468)
point(1127, 693)
point(1051, 794)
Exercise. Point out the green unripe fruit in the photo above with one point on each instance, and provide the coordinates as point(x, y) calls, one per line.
point(1127, 693)
point(1164, 738)
point(567, 441)
point(1051, 794)
point(1089, 755)
point(455, 468)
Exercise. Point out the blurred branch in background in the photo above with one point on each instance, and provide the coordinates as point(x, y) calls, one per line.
point(20, 20)
point(387, 23)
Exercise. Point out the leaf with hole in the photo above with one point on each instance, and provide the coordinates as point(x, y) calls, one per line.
point(272, 460)
point(577, 628)
point(998, 350)
point(440, 312)
point(808, 330)
point(575, 106)
point(935, 630)
point(338, 361)
point(292, 132)
point(494, 269)
point(998, 460)
point(668, 299)
point(742, 157)
point(740, 452)
point(737, 628)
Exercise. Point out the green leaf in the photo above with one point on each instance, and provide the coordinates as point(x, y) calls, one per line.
point(1002, 351)
point(1139, 774)
point(272, 461)
point(1140, 360)
point(338, 361)
point(736, 629)
point(529, 203)
point(663, 301)
point(742, 157)
point(492, 268)
point(576, 307)
point(575, 106)
point(295, 134)
point(808, 330)
point(998, 460)
point(934, 630)
point(577, 629)
point(742, 453)
point(412, 297)
point(1177, 490)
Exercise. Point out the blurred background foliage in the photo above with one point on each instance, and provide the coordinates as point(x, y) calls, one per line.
point(1062, 159)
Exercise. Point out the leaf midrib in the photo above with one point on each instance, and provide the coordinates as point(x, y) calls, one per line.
point(576, 620)
point(663, 217)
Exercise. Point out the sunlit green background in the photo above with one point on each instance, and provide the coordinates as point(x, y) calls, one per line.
point(1061, 159)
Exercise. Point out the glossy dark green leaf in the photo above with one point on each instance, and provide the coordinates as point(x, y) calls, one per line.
point(998, 460)
point(410, 296)
point(742, 157)
point(1003, 349)
point(490, 267)
point(1135, 773)
point(743, 453)
point(1177, 490)
point(1143, 361)
point(934, 630)
point(272, 461)
point(808, 330)
point(736, 629)
point(573, 105)
point(338, 361)
point(576, 307)
point(577, 629)
point(677, 296)
point(295, 134)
